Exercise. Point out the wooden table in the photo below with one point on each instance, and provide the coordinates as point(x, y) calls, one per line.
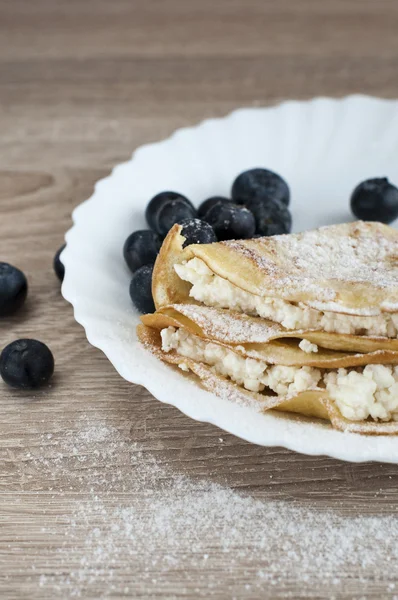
point(81, 85)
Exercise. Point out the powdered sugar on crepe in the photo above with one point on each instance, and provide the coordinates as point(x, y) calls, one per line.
point(228, 326)
point(354, 253)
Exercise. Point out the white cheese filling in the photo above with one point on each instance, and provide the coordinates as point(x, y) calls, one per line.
point(358, 393)
point(253, 374)
point(308, 347)
point(213, 290)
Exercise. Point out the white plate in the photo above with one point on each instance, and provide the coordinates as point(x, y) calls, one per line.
point(322, 147)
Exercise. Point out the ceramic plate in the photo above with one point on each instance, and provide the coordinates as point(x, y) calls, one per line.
point(323, 147)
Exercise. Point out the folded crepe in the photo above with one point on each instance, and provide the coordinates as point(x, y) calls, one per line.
point(355, 391)
point(300, 323)
point(339, 279)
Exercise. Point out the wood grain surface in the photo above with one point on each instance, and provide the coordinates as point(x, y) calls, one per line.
point(81, 85)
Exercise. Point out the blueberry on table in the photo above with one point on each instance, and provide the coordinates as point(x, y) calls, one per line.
point(259, 182)
point(58, 265)
point(209, 203)
point(272, 218)
point(375, 200)
point(196, 231)
point(231, 222)
point(156, 206)
point(13, 289)
point(26, 364)
point(141, 290)
point(141, 248)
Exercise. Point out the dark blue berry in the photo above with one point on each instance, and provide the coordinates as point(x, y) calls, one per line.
point(141, 289)
point(141, 248)
point(272, 218)
point(231, 222)
point(171, 213)
point(375, 200)
point(196, 231)
point(58, 265)
point(209, 203)
point(259, 182)
point(158, 202)
point(26, 364)
point(13, 289)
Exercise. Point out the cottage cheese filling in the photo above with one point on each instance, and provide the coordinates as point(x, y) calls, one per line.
point(308, 347)
point(212, 290)
point(358, 393)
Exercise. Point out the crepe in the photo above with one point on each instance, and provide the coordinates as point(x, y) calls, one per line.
point(311, 403)
point(340, 279)
point(304, 323)
point(264, 340)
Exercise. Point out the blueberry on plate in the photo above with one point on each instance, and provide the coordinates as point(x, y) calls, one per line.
point(26, 364)
point(171, 213)
point(141, 248)
point(196, 231)
point(13, 289)
point(231, 222)
point(259, 182)
point(58, 265)
point(375, 200)
point(209, 203)
point(272, 218)
point(174, 202)
point(141, 290)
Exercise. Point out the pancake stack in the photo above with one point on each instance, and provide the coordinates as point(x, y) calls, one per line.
point(303, 323)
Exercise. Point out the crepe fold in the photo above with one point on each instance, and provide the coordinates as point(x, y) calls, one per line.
point(230, 262)
point(309, 404)
point(350, 268)
point(256, 338)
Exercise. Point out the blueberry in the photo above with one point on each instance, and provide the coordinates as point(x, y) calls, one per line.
point(259, 182)
point(272, 218)
point(58, 265)
point(230, 221)
point(375, 200)
point(141, 248)
point(171, 213)
point(158, 202)
point(141, 289)
point(13, 289)
point(209, 203)
point(197, 232)
point(26, 364)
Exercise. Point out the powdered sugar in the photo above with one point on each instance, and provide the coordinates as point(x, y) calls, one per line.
point(352, 252)
point(166, 531)
point(321, 267)
point(229, 327)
